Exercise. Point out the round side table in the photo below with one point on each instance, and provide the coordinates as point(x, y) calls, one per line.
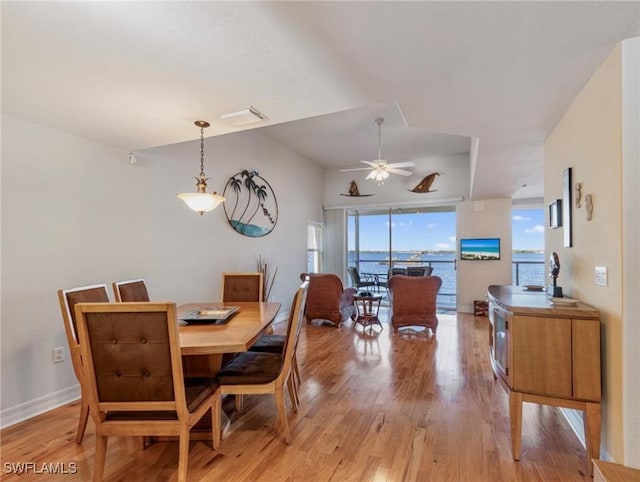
point(367, 308)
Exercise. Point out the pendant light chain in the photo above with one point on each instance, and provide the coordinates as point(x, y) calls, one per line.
point(202, 151)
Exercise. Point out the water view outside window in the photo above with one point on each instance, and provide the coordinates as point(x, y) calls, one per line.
point(528, 247)
point(379, 241)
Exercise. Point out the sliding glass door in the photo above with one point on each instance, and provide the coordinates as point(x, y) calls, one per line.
point(403, 238)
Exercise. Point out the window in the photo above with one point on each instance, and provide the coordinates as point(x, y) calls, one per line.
point(527, 234)
point(314, 247)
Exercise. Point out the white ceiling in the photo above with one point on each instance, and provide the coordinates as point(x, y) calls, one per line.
point(137, 74)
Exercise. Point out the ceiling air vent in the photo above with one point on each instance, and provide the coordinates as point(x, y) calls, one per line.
point(244, 117)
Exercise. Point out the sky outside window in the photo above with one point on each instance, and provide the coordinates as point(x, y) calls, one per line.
point(528, 229)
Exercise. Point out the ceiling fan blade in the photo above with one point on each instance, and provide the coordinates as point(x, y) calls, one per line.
point(370, 163)
point(402, 172)
point(402, 164)
point(356, 169)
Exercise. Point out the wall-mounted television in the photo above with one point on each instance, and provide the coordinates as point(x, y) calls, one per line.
point(480, 249)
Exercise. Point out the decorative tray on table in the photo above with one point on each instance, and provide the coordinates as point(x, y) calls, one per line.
point(533, 288)
point(564, 301)
point(209, 315)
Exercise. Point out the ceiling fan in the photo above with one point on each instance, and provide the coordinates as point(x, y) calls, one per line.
point(380, 169)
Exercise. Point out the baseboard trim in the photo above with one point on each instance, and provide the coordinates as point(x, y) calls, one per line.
point(23, 411)
point(576, 422)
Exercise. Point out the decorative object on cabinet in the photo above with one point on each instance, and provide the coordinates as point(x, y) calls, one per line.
point(200, 201)
point(252, 207)
point(425, 185)
point(480, 308)
point(554, 270)
point(354, 192)
point(268, 276)
point(555, 214)
point(578, 194)
point(548, 355)
point(566, 208)
point(588, 204)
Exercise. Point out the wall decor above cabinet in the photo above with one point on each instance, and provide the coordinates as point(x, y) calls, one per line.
point(251, 207)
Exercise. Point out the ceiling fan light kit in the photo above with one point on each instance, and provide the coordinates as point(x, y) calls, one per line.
point(381, 169)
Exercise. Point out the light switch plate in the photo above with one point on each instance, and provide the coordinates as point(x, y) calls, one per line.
point(601, 276)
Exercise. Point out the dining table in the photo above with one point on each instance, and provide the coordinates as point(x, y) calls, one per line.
point(204, 346)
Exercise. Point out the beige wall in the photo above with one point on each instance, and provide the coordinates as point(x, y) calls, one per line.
point(588, 139)
point(483, 219)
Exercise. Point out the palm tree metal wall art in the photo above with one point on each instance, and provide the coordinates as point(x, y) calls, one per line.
point(251, 207)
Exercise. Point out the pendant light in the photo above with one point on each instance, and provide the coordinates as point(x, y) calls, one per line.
point(200, 201)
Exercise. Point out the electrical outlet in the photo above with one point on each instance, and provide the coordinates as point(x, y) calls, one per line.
point(57, 354)
point(601, 276)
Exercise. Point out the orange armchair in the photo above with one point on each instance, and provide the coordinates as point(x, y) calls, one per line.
point(327, 299)
point(413, 301)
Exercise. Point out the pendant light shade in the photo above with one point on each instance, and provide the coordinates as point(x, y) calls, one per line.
point(200, 201)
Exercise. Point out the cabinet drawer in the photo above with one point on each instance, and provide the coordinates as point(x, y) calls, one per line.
point(542, 356)
point(586, 359)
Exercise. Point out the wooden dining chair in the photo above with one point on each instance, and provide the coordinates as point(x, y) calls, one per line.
point(135, 380)
point(130, 290)
point(242, 287)
point(252, 373)
point(68, 299)
point(275, 343)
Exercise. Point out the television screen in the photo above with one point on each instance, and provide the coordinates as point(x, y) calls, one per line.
point(480, 249)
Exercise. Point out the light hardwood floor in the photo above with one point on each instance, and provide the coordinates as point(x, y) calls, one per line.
point(373, 408)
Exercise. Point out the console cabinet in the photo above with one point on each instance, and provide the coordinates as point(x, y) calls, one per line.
point(547, 354)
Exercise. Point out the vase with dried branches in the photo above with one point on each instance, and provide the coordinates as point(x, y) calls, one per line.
point(268, 276)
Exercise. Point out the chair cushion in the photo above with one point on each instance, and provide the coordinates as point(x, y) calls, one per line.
point(197, 390)
point(269, 344)
point(251, 367)
point(140, 415)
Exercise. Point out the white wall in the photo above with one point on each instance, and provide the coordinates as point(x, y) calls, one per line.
point(490, 218)
point(90, 217)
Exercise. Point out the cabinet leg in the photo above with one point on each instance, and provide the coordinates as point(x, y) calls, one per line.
point(515, 418)
point(592, 431)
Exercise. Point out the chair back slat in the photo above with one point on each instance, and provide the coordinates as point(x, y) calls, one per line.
point(238, 287)
point(130, 290)
point(296, 314)
point(355, 276)
point(70, 297)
